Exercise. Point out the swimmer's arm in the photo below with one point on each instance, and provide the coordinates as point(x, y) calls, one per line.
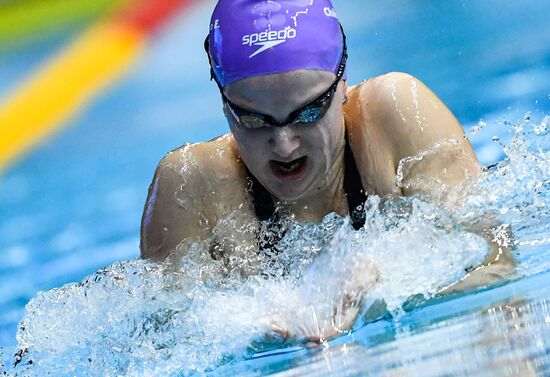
point(499, 264)
point(166, 222)
point(415, 120)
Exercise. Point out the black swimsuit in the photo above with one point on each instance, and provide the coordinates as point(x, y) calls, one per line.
point(264, 206)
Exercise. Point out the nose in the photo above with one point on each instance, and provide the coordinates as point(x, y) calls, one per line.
point(283, 141)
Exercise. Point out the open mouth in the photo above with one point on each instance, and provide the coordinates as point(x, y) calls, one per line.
point(291, 169)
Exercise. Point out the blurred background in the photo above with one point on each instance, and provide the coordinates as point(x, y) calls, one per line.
point(93, 93)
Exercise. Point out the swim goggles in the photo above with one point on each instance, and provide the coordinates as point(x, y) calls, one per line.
point(310, 113)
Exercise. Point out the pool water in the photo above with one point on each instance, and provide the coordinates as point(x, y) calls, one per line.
point(489, 334)
point(139, 318)
point(71, 207)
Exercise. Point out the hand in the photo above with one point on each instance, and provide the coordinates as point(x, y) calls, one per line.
point(321, 313)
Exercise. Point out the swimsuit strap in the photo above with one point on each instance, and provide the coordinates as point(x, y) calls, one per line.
point(355, 193)
point(353, 187)
point(263, 202)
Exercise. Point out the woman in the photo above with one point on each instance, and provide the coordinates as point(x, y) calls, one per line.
point(301, 140)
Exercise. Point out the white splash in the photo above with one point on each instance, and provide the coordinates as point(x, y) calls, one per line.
point(136, 318)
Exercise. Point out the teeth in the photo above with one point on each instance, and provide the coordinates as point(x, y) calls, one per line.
point(289, 168)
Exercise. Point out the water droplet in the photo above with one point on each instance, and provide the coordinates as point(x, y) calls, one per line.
point(203, 221)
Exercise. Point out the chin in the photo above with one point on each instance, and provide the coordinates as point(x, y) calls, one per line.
point(292, 192)
point(289, 197)
point(285, 194)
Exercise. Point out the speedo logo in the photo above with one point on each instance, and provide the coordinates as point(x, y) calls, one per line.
point(268, 39)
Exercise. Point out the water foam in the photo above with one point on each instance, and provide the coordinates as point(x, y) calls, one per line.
point(139, 318)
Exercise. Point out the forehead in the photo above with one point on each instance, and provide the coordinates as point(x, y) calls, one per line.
point(281, 90)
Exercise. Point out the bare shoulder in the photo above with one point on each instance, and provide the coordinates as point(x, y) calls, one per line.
point(402, 118)
point(204, 162)
point(408, 111)
point(192, 169)
point(191, 186)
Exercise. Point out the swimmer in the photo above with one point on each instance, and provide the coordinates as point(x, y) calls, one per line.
point(301, 138)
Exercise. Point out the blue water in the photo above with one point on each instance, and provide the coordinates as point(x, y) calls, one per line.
point(73, 204)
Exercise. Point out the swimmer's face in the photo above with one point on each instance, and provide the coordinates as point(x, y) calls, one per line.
point(290, 161)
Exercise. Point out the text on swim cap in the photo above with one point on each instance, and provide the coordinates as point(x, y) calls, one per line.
point(267, 36)
point(268, 39)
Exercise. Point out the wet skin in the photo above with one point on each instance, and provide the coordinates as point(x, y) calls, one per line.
point(387, 118)
point(293, 162)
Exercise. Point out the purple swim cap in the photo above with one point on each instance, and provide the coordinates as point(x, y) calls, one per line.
point(252, 37)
